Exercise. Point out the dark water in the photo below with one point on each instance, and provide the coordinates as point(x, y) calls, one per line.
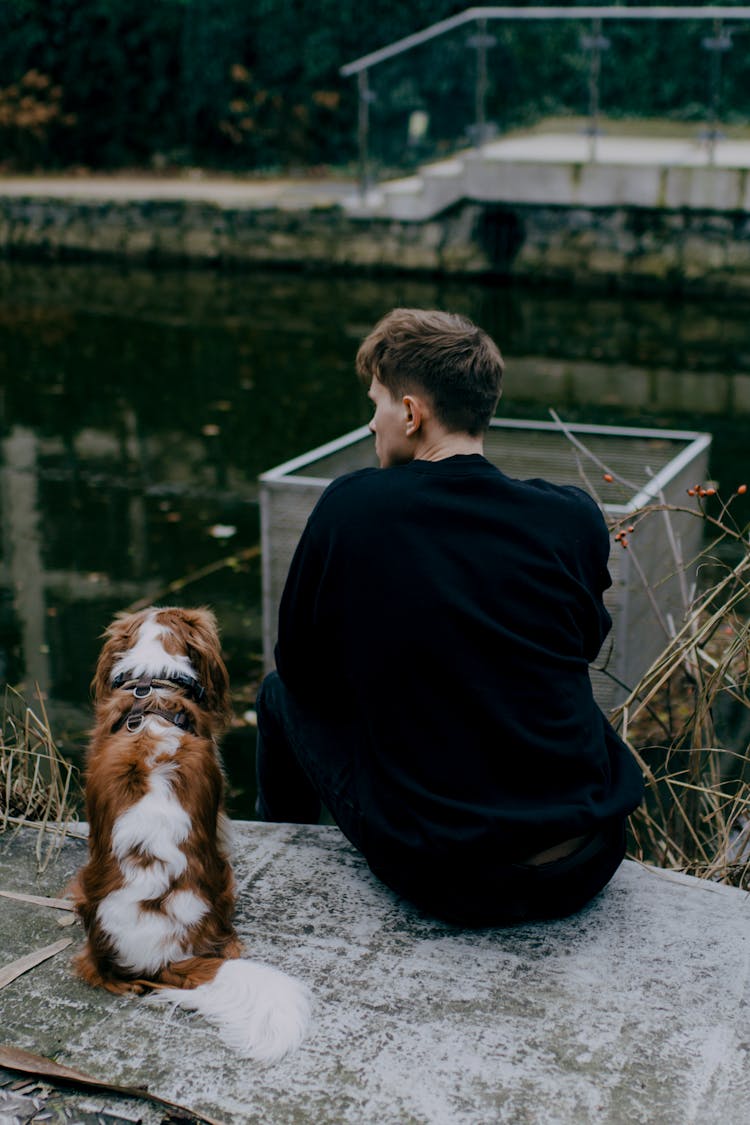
point(137, 409)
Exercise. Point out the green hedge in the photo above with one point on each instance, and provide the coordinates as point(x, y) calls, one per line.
point(254, 83)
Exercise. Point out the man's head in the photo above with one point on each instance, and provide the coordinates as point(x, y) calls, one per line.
point(439, 357)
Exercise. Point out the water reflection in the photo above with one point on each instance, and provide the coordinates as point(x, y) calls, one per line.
point(138, 407)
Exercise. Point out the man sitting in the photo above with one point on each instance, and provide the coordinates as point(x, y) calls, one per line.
point(435, 633)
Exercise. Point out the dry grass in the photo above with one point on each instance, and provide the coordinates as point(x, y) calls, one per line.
point(687, 721)
point(37, 785)
point(688, 725)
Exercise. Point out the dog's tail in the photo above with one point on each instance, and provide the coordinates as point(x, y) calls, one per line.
point(260, 1012)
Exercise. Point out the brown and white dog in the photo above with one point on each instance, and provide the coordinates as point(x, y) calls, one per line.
point(157, 895)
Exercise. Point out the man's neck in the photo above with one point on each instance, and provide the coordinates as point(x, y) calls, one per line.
point(449, 445)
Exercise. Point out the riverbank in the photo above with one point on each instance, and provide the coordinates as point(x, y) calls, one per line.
point(230, 224)
point(635, 1010)
point(323, 227)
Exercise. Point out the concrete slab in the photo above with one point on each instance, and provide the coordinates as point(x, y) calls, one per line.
point(573, 170)
point(490, 179)
point(705, 188)
point(566, 148)
point(634, 1011)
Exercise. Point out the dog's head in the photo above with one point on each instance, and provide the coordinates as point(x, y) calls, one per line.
point(164, 641)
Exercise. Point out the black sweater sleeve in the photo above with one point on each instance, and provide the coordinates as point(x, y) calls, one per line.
point(593, 553)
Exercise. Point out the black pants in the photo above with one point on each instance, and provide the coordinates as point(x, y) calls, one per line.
point(304, 762)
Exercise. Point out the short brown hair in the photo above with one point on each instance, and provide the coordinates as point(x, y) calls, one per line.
point(445, 355)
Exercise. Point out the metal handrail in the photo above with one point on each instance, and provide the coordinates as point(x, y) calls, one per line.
point(361, 66)
point(611, 12)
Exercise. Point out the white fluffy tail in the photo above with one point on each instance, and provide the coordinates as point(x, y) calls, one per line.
point(260, 1012)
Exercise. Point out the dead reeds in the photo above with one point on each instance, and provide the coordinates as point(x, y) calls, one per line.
point(688, 724)
point(37, 785)
point(687, 720)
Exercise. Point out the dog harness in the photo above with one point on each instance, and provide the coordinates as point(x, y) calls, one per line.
point(142, 690)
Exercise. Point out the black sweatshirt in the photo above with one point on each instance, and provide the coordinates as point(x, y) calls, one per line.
point(450, 613)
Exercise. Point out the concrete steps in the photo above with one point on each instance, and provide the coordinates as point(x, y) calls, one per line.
point(413, 198)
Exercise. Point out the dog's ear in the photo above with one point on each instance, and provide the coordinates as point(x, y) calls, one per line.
point(201, 639)
point(119, 637)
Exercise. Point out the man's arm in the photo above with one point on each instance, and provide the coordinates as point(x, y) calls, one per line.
point(602, 581)
point(594, 558)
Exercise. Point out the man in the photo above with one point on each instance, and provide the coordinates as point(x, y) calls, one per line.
point(434, 639)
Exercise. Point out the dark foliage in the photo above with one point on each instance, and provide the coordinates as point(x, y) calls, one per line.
point(255, 83)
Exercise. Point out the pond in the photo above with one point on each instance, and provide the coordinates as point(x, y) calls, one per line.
point(138, 407)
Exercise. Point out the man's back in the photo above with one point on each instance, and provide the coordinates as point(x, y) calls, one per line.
point(453, 611)
point(434, 639)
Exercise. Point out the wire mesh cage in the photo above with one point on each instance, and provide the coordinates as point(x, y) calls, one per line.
point(649, 579)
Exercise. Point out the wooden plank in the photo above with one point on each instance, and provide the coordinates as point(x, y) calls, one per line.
point(27, 1063)
point(31, 960)
point(40, 900)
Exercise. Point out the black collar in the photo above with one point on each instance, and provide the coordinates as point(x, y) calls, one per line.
point(129, 683)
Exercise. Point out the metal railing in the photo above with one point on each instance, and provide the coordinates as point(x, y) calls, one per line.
point(593, 44)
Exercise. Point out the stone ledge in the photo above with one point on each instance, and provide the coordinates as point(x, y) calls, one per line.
point(622, 248)
point(634, 1011)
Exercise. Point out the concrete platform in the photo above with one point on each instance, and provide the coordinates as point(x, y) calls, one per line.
point(634, 1011)
point(572, 170)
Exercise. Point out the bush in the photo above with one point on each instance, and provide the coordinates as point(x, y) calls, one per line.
point(247, 86)
point(31, 118)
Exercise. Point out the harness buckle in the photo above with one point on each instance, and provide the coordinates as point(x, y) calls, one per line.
point(133, 723)
point(142, 691)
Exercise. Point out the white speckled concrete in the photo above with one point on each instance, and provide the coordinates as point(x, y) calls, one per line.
point(634, 1011)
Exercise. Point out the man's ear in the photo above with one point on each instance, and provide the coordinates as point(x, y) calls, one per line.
point(414, 412)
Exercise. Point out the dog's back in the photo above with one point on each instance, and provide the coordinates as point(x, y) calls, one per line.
point(157, 894)
point(158, 885)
